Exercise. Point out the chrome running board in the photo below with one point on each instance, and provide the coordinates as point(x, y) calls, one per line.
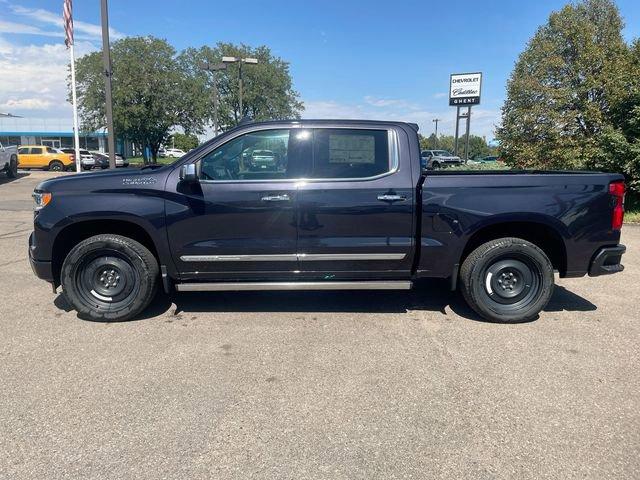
point(240, 286)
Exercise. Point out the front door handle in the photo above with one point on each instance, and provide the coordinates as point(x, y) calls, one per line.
point(276, 198)
point(391, 197)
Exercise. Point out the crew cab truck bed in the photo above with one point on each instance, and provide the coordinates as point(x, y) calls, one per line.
point(346, 206)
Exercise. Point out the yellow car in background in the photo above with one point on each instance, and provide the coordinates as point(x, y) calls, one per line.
point(41, 156)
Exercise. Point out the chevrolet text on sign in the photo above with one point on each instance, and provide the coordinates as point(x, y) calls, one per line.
point(464, 89)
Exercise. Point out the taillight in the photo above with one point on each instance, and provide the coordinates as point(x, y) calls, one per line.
point(617, 189)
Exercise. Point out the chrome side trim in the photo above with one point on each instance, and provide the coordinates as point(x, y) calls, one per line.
point(291, 257)
point(249, 286)
point(319, 257)
point(287, 257)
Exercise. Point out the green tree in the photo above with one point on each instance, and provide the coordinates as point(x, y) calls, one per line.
point(183, 141)
point(268, 92)
point(151, 94)
point(565, 88)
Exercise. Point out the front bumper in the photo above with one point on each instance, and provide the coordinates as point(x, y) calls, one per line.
point(607, 261)
point(42, 269)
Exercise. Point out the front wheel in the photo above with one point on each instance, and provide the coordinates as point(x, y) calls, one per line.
point(109, 278)
point(507, 280)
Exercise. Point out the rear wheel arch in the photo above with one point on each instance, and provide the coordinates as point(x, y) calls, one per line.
point(547, 238)
point(73, 234)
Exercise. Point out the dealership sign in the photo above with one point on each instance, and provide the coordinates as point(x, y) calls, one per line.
point(464, 89)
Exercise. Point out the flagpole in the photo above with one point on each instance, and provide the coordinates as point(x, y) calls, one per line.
point(76, 136)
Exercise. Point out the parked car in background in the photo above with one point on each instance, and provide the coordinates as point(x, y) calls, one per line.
point(87, 162)
point(358, 213)
point(102, 160)
point(488, 159)
point(174, 152)
point(41, 156)
point(435, 159)
point(162, 152)
point(9, 160)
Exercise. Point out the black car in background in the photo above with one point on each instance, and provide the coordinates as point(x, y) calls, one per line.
point(102, 160)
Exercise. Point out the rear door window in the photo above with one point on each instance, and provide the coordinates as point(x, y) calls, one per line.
point(36, 151)
point(349, 153)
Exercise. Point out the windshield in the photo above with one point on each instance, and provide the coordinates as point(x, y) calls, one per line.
point(442, 153)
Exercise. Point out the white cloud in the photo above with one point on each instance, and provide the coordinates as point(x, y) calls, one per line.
point(483, 121)
point(34, 77)
point(21, 28)
point(26, 104)
point(46, 17)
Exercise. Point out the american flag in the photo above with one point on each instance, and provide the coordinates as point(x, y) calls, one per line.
point(68, 22)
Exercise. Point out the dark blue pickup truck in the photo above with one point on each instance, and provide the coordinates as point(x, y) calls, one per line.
point(343, 205)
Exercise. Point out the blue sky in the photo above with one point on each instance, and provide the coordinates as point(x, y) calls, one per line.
point(348, 58)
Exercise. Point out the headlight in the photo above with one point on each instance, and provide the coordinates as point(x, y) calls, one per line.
point(42, 199)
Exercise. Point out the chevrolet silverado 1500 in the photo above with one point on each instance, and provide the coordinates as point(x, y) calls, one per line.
point(347, 206)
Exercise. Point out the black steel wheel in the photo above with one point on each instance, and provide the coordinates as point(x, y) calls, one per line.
point(507, 280)
point(109, 277)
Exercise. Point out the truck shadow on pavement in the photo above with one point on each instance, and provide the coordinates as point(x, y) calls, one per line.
point(4, 179)
point(428, 295)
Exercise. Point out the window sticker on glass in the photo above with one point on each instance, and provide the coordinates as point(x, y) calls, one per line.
point(352, 149)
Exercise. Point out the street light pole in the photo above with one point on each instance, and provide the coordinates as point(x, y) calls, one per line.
point(106, 59)
point(213, 69)
point(240, 61)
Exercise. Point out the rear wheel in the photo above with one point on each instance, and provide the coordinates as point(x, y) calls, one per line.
point(56, 166)
point(507, 280)
point(12, 172)
point(109, 278)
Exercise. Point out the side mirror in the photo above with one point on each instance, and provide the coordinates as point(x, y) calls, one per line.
point(188, 173)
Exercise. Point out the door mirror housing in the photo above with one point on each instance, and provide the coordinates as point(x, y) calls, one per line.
point(188, 173)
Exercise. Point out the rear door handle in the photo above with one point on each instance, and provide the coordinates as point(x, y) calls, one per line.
point(391, 197)
point(276, 198)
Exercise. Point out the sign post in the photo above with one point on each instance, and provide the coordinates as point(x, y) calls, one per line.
point(464, 90)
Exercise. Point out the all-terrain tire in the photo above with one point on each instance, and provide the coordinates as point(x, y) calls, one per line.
point(508, 280)
point(56, 166)
point(109, 278)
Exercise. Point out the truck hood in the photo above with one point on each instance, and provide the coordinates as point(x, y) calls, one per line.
point(121, 179)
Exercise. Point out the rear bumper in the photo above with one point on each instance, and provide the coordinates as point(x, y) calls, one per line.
point(42, 269)
point(607, 261)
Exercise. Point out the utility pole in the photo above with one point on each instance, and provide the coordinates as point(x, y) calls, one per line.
point(436, 120)
point(240, 61)
point(106, 59)
point(213, 69)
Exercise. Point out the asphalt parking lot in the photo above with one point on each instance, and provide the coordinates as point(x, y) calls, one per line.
point(316, 385)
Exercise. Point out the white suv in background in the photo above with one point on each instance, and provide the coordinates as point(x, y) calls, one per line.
point(174, 152)
point(86, 158)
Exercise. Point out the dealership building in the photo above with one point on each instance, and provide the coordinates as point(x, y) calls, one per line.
point(56, 133)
